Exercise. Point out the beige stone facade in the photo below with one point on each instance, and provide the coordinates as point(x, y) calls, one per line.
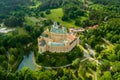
point(57, 39)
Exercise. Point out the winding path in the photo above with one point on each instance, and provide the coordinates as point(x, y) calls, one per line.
point(51, 67)
point(86, 55)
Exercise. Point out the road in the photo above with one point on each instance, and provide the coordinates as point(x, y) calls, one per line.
point(92, 52)
point(87, 53)
point(107, 42)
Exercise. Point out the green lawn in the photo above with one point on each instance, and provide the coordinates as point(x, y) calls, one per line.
point(17, 31)
point(56, 15)
point(21, 31)
point(36, 23)
point(30, 20)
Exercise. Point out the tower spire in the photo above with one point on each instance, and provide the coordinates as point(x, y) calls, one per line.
point(55, 25)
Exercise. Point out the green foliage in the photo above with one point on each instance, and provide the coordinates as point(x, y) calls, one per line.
point(2, 50)
point(76, 62)
point(64, 18)
point(22, 39)
point(72, 12)
point(50, 4)
point(77, 22)
point(106, 76)
point(116, 76)
point(8, 8)
point(47, 22)
point(59, 59)
point(42, 14)
point(115, 67)
point(98, 48)
point(2, 74)
point(40, 58)
point(5, 64)
point(28, 28)
point(106, 2)
point(48, 12)
point(14, 21)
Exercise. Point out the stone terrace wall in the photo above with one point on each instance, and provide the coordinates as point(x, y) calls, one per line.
point(59, 49)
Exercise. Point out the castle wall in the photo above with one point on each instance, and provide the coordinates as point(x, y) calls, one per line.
point(57, 37)
point(48, 39)
point(62, 48)
point(56, 48)
point(42, 48)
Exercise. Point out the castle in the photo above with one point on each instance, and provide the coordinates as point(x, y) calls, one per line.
point(57, 39)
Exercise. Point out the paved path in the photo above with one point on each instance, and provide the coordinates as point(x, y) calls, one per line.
point(87, 53)
point(107, 42)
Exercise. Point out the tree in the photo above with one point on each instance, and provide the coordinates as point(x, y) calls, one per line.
point(112, 56)
point(42, 15)
point(92, 41)
point(47, 22)
point(87, 23)
point(14, 21)
point(98, 48)
point(117, 48)
point(47, 75)
point(116, 67)
point(64, 78)
point(12, 59)
point(53, 61)
point(5, 64)
point(76, 63)
point(80, 12)
point(11, 76)
point(77, 22)
point(72, 15)
point(2, 50)
point(114, 38)
point(40, 58)
point(65, 18)
point(116, 76)
point(106, 76)
point(28, 28)
point(2, 58)
point(48, 11)
point(2, 74)
point(118, 55)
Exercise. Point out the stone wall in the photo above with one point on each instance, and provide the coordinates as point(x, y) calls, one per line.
point(62, 48)
point(42, 48)
point(57, 37)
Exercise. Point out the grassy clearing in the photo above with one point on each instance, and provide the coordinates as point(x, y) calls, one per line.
point(21, 31)
point(34, 22)
point(30, 20)
point(17, 31)
point(56, 15)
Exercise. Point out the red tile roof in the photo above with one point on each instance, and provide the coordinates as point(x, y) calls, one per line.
point(70, 37)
